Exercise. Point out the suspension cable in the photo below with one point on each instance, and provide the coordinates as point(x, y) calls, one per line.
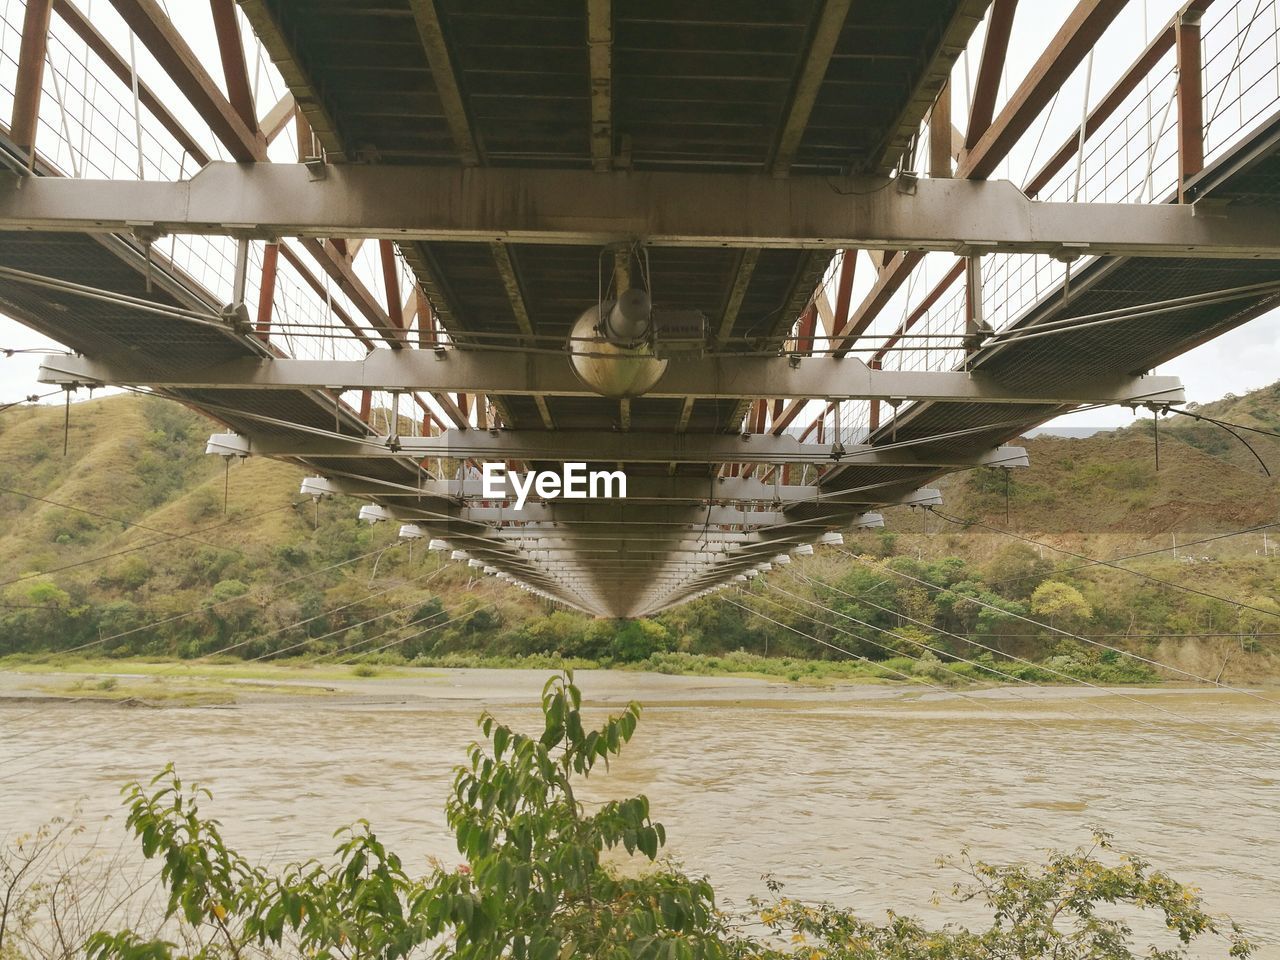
point(436, 626)
point(879, 666)
point(888, 649)
point(336, 630)
point(1105, 563)
point(325, 636)
point(863, 599)
point(34, 398)
point(1265, 780)
point(114, 519)
point(227, 649)
point(212, 653)
point(1031, 620)
point(412, 622)
point(153, 543)
point(992, 650)
point(1231, 428)
point(271, 587)
point(1145, 553)
point(53, 746)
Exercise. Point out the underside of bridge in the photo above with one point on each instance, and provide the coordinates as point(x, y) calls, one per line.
point(742, 252)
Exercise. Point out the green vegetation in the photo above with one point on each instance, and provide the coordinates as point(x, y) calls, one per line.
point(230, 670)
point(123, 550)
point(547, 877)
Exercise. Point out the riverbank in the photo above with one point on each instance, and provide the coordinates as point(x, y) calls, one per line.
point(188, 683)
point(208, 682)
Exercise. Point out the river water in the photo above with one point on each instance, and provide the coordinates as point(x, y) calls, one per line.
point(847, 794)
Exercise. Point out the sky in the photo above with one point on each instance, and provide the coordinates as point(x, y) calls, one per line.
point(1243, 360)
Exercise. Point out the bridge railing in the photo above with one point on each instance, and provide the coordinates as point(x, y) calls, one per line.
point(90, 126)
point(1242, 71)
point(1132, 157)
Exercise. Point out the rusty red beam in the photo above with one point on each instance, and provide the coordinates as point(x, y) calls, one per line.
point(1070, 45)
point(1190, 93)
point(1160, 45)
point(431, 417)
point(759, 411)
point(318, 288)
point(787, 417)
point(806, 329)
point(158, 34)
point(804, 343)
point(844, 288)
point(452, 410)
point(235, 71)
point(922, 308)
point(940, 134)
point(890, 280)
point(986, 87)
point(340, 270)
point(427, 324)
point(267, 290)
point(30, 81)
point(111, 58)
point(278, 118)
point(818, 425)
point(302, 130)
point(391, 282)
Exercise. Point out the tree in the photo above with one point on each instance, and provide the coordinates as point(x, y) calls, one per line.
point(39, 591)
point(559, 633)
point(639, 639)
point(1016, 570)
point(533, 886)
point(1063, 605)
point(1264, 617)
point(39, 616)
point(1048, 911)
point(121, 617)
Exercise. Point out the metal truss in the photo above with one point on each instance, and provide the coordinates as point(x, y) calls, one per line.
point(590, 446)
point(725, 376)
point(639, 489)
point(969, 217)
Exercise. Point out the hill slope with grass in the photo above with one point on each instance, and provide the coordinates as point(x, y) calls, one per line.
point(136, 543)
point(1207, 480)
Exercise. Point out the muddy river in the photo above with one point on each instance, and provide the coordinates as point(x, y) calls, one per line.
point(846, 793)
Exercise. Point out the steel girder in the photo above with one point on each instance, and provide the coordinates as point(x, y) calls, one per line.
point(515, 205)
point(589, 446)
point(724, 376)
point(663, 489)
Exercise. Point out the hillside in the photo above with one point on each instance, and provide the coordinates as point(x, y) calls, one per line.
point(129, 528)
point(1207, 481)
point(122, 546)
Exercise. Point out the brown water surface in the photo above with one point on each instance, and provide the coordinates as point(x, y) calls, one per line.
point(847, 794)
